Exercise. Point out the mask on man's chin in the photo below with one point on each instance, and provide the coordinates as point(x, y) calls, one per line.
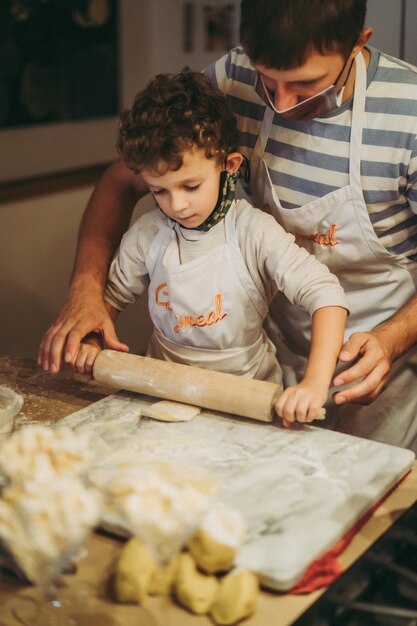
point(320, 104)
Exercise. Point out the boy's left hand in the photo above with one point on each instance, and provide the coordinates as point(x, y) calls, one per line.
point(85, 357)
point(301, 403)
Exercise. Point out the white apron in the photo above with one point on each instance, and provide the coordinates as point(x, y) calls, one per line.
point(337, 230)
point(208, 312)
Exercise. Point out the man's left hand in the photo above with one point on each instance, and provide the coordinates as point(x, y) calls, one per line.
point(371, 369)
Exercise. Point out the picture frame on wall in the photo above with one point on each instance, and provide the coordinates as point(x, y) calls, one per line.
point(219, 24)
point(59, 85)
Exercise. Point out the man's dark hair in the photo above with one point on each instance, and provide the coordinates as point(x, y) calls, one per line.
point(280, 34)
point(174, 113)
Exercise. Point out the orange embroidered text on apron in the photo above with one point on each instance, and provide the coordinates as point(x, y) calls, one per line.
point(322, 239)
point(186, 321)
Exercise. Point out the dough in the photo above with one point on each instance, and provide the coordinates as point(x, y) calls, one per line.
point(134, 570)
point(237, 597)
point(216, 542)
point(194, 590)
point(163, 578)
point(167, 411)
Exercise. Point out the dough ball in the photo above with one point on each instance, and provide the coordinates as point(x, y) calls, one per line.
point(134, 570)
point(194, 590)
point(216, 542)
point(167, 411)
point(237, 597)
point(163, 578)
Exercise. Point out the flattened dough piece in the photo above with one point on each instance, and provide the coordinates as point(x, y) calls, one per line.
point(167, 411)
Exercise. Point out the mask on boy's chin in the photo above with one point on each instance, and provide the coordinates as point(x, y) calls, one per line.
point(227, 188)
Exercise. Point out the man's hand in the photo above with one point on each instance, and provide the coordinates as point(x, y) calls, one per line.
point(373, 364)
point(83, 313)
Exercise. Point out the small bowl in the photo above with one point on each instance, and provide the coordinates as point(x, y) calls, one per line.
point(10, 405)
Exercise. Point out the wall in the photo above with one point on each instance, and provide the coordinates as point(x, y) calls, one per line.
point(37, 244)
point(394, 23)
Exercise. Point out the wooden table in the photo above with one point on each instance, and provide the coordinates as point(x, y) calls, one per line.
point(49, 398)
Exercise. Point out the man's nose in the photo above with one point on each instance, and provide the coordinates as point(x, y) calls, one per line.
point(284, 96)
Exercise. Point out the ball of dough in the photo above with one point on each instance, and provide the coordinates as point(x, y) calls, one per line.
point(134, 570)
point(163, 578)
point(194, 590)
point(216, 542)
point(237, 597)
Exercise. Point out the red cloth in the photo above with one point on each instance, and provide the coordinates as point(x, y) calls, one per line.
point(327, 568)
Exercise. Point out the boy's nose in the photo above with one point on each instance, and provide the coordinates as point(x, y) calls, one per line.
point(178, 203)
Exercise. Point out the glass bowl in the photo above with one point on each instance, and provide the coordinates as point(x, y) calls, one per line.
point(10, 405)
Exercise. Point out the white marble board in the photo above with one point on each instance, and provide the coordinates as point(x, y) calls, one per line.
point(299, 490)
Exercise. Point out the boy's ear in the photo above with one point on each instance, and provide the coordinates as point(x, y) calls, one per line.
point(233, 162)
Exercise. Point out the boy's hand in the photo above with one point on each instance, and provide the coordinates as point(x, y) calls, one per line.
point(301, 403)
point(86, 355)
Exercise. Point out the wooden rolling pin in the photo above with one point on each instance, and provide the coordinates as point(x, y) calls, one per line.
point(183, 383)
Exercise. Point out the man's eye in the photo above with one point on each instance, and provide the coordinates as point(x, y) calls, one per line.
point(305, 83)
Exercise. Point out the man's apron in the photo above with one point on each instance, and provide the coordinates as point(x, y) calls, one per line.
point(337, 230)
point(208, 312)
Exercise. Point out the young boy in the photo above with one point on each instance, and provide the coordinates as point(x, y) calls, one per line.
point(212, 264)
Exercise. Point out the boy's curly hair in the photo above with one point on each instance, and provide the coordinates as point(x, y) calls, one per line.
point(171, 115)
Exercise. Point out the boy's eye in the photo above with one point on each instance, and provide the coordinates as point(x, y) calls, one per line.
point(192, 187)
point(158, 192)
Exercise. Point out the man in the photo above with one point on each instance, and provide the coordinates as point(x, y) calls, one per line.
point(329, 126)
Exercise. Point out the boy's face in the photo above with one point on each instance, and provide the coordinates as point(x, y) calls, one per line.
point(187, 195)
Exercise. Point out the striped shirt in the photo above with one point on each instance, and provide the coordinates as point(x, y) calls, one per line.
point(309, 159)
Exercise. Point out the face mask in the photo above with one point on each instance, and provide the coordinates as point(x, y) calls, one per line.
point(321, 103)
point(227, 189)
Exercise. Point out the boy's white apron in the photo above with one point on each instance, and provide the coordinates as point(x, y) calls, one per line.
point(218, 293)
point(376, 283)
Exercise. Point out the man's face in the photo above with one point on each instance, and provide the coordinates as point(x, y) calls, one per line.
point(288, 88)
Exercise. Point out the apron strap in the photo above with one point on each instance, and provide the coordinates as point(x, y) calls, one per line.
point(160, 242)
point(264, 131)
point(358, 115)
point(256, 297)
